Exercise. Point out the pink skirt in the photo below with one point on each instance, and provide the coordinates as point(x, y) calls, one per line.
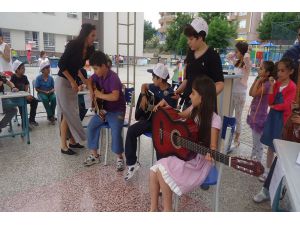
point(183, 176)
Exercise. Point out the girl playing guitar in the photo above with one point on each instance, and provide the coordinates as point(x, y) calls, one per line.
point(172, 174)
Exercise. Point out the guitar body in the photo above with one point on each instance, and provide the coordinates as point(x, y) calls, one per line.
point(141, 114)
point(165, 124)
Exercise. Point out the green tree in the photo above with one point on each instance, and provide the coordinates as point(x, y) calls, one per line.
point(182, 47)
point(287, 18)
point(209, 16)
point(220, 32)
point(149, 31)
point(176, 28)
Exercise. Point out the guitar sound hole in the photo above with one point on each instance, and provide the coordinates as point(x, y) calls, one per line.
point(175, 135)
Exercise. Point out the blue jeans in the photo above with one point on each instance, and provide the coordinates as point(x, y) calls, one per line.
point(116, 122)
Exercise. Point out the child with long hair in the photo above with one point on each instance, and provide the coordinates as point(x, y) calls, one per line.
point(259, 106)
point(281, 95)
point(172, 174)
point(242, 66)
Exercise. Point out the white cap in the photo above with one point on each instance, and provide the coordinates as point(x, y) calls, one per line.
point(160, 70)
point(44, 64)
point(200, 24)
point(16, 65)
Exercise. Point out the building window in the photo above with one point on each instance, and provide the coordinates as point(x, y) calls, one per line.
point(72, 14)
point(86, 15)
point(49, 42)
point(32, 38)
point(94, 15)
point(242, 24)
point(242, 13)
point(6, 36)
point(70, 38)
point(90, 15)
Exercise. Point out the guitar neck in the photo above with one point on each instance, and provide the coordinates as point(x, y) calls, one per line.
point(197, 148)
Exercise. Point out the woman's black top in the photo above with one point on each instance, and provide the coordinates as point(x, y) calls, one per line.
point(72, 59)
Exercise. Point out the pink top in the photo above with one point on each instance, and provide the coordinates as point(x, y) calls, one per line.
point(184, 176)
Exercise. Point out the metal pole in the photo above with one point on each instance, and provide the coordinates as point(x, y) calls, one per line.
point(128, 14)
point(117, 56)
point(134, 51)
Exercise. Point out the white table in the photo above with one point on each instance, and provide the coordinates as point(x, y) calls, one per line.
point(287, 154)
point(225, 97)
point(23, 104)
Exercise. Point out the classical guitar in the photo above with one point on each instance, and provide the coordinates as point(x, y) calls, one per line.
point(146, 114)
point(173, 135)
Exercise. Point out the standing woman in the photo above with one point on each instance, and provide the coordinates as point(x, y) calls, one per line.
point(73, 59)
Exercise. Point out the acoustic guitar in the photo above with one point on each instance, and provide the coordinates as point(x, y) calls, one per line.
point(146, 114)
point(173, 135)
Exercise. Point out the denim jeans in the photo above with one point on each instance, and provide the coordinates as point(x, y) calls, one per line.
point(116, 122)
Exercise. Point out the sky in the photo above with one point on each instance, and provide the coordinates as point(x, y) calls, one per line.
point(152, 17)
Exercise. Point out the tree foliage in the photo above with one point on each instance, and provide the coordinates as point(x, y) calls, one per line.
point(220, 33)
point(286, 19)
point(175, 29)
point(209, 16)
point(149, 31)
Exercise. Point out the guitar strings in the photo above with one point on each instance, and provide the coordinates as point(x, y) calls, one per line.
point(215, 154)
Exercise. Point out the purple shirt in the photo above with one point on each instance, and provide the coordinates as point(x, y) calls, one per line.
point(259, 110)
point(109, 83)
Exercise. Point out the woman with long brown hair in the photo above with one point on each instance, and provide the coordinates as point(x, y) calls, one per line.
point(73, 59)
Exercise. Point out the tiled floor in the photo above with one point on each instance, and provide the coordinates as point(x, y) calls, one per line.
point(37, 177)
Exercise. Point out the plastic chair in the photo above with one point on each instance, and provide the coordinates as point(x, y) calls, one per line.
point(214, 176)
point(129, 99)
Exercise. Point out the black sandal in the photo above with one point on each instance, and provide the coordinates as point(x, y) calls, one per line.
point(77, 145)
point(68, 152)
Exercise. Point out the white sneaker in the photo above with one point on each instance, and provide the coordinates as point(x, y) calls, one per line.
point(120, 164)
point(262, 196)
point(91, 159)
point(263, 177)
point(131, 170)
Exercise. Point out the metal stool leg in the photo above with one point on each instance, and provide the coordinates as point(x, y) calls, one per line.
point(106, 146)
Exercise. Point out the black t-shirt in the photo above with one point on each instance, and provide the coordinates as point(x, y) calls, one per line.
point(20, 82)
point(4, 80)
point(72, 59)
point(208, 64)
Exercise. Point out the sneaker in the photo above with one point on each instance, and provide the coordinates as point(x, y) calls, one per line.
point(262, 196)
point(91, 159)
point(52, 120)
point(263, 177)
point(34, 123)
point(131, 170)
point(120, 164)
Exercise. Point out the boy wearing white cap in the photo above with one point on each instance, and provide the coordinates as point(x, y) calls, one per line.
point(44, 85)
point(201, 59)
point(21, 82)
point(162, 90)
